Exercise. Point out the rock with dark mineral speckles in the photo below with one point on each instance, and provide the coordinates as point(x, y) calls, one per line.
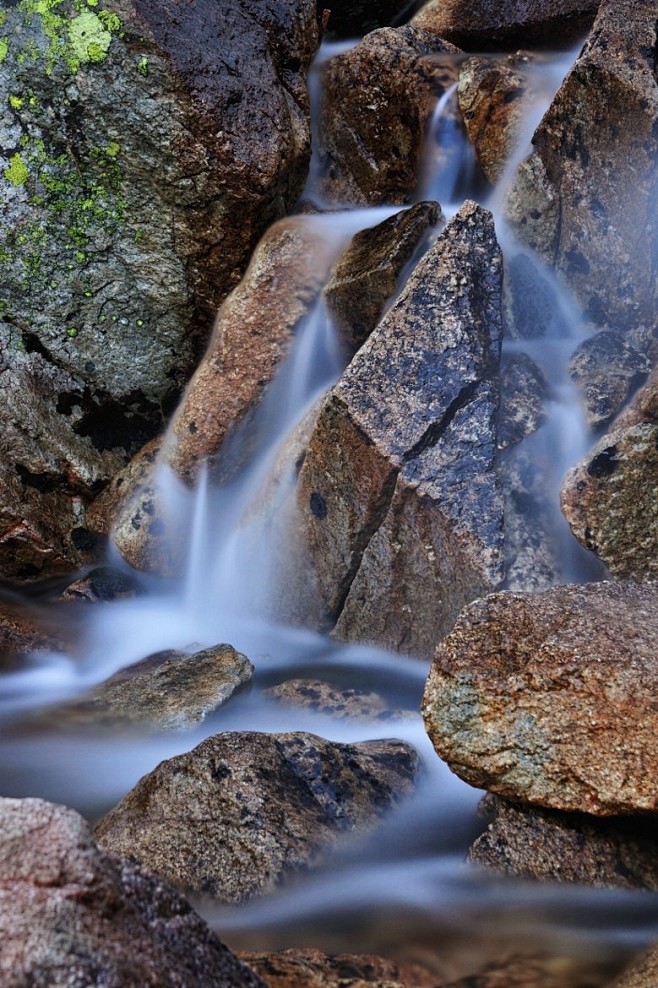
point(242, 811)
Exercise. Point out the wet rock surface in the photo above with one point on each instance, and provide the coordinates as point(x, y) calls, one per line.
point(369, 270)
point(324, 698)
point(485, 24)
point(550, 698)
point(607, 370)
point(573, 200)
point(524, 392)
point(104, 583)
point(378, 99)
point(72, 915)
point(168, 691)
point(312, 969)
point(130, 147)
point(241, 811)
point(25, 629)
point(540, 971)
point(398, 502)
point(567, 847)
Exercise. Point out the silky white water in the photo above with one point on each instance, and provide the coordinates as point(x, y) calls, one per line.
point(404, 889)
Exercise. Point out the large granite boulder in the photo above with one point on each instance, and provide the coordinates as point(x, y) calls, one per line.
point(550, 698)
point(71, 915)
point(398, 502)
point(489, 24)
point(240, 812)
point(584, 199)
point(143, 151)
point(378, 100)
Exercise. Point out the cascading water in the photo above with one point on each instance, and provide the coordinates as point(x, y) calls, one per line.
point(409, 880)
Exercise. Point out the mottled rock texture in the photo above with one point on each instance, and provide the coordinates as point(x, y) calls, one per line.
point(398, 502)
point(142, 154)
point(378, 100)
point(25, 629)
point(585, 198)
point(341, 704)
point(490, 24)
point(241, 811)
point(104, 583)
point(607, 370)
point(642, 974)
point(71, 915)
point(368, 272)
point(311, 969)
point(609, 499)
point(491, 100)
point(540, 971)
point(168, 691)
point(524, 392)
point(551, 698)
point(567, 847)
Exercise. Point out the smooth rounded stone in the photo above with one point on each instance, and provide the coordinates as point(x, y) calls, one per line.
point(378, 100)
point(489, 24)
point(354, 18)
point(609, 500)
point(550, 698)
point(584, 199)
point(312, 969)
point(492, 101)
point(524, 392)
point(324, 698)
point(168, 691)
point(71, 915)
point(398, 500)
point(141, 139)
point(567, 847)
point(104, 583)
point(242, 811)
point(607, 370)
point(369, 271)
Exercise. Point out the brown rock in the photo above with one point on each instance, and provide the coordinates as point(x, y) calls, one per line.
point(551, 698)
point(25, 629)
point(242, 811)
point(491, 100)
point(398, 503)
point(567, 847)
point(642, 974)
point(71, 915)
point(322, 697)
point(610, 502)
point(369, 271)
point(137, 473)
point(489, 24)
point(104, 583)
point(168, 691)
point(378, 99)
point(584, 200)
point(540, 971)
point(607, 369)
point(311, 969)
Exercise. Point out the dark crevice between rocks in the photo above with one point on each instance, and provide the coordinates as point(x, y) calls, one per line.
point(436, 430)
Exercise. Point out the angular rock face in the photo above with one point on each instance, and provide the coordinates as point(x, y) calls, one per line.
point(71, 915)
point(567, 847)
point(489, 24)
point(168, 691)
point(524, 392)
point(550, 698)
point(608, 370)
point(398, 502)
point(241, 811)
point(141, 158)
point(585, 199)
point(378, 99)
point(369, 270)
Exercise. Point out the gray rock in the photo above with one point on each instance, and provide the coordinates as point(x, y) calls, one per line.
point(550, 698)
point(72, 916)
point(523, 394)
point(104, 583)
point(378, 100)
point(399, 505)
point(567, 847)
point(242, 811)
point(140, 139)
point(584, 200)
point(488, 24)
point(532, 300)
point(607, 370)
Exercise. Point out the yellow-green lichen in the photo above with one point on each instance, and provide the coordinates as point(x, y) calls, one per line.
point(15, 102)
point(70, 42)
point(89, 40)
point(143, 66)
point(4, 48)
point(18, 172)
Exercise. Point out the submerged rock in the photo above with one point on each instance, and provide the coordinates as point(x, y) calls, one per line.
point(341, 704)
point(72, 915)
point(524, 392)
point(368, 272)
point(168, 691)
point(104, 583)
point(584, 200)
point(550, 698)
point(378, 100)
point(141, 139)
point(398, 502)
point(567, 847)
point(311, 969)
point(489, 24)
point(608, 370)
point(242, 811)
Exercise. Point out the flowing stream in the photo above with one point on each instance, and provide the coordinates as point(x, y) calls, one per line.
point(404, 889)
